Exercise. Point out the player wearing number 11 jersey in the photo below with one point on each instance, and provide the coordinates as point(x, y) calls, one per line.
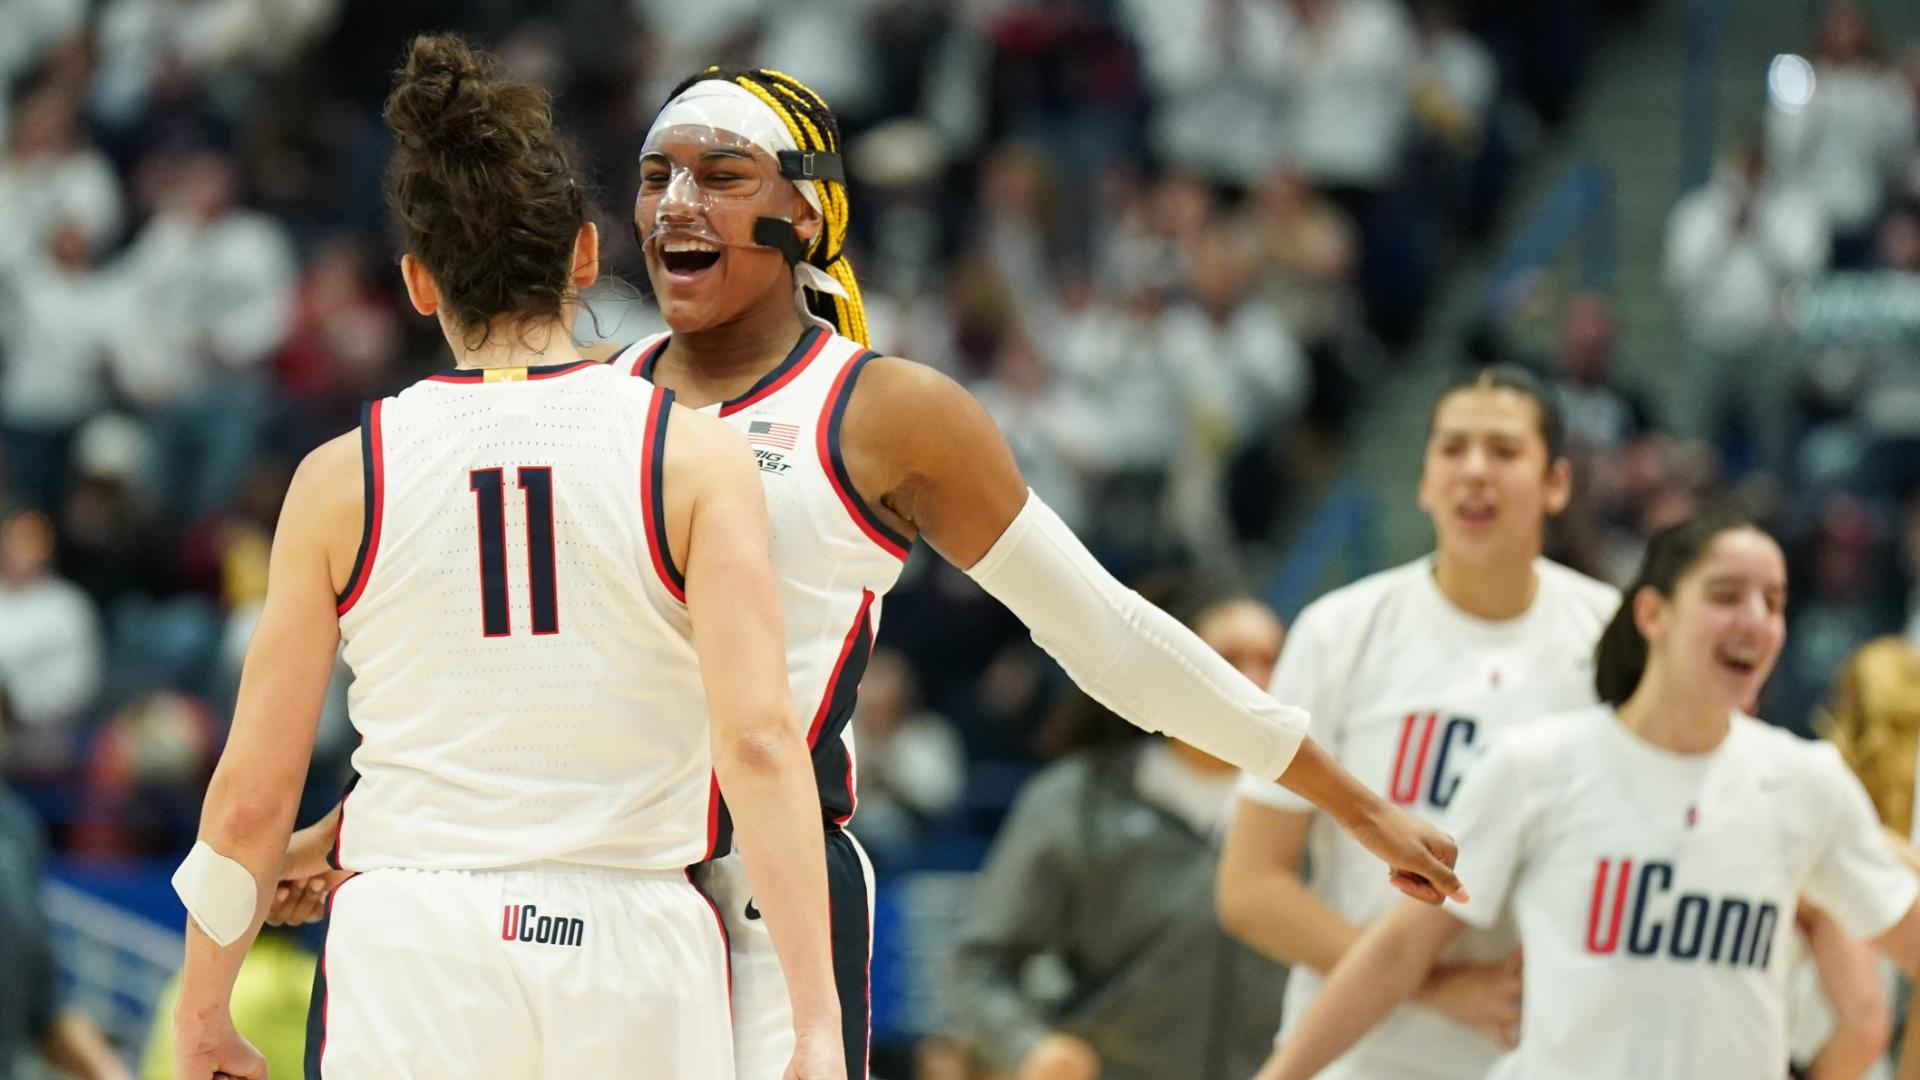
point(553, 588)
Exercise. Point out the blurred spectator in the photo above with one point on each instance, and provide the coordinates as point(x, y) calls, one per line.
point(1659, 481)
point(1106, 868)
point(1348, 66)
point(110, 543)
point(1601, 417)
point(1304, 253)
point(1021, 396)
point(210, 295)
point(50, 179)
point(1304, 250)
point(1245, 383)
point(1844, 144)
point(1348, 128)
point(146, 774)
point(900, 164)
point(1463, 152)
point(1111, 357)
point(1015, 233)
point(343, 342)
point(1239, 362)
point(1872, 716)
point(151, 49)
point(1899, 242)
point(1218, 75)
point(1732, 247)
point(30, 1015)
point(1837, 606)
point(270, 998)
point(1455, 80)
point(826, 43)
point(53, 345)
point(49, 646)
point(34, 28)
point(1603, 422)
point(1907, 182)
point(913, 769)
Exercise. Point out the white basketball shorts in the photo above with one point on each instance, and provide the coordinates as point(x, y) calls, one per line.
point(548, 971)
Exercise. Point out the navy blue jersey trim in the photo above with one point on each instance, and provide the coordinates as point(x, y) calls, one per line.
point(656, 466)
point(843, 480)
point(367, 481)
point(803, 349)
point(850, 935)
point(832, 765)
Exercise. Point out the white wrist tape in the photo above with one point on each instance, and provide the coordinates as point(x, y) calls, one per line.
point(220, 894)
point(1129, 655)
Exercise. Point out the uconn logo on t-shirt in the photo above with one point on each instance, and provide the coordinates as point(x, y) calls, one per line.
point(1714, 930)
point(1426, 766)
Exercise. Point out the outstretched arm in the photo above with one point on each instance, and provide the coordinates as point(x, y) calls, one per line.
point(250, 803)
point(923, 449)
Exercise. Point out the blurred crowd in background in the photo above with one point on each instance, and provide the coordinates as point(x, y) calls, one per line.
point(1173, 247)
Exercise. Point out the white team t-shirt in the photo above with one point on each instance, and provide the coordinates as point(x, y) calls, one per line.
point(1654, 892)
point(1404, 689)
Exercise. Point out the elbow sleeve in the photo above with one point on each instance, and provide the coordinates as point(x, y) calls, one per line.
point(1127, 654)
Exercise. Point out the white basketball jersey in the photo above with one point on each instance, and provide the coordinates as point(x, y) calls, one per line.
point(525, 685)
point(1404, 690)
point(1655, 891)
point(833, 557)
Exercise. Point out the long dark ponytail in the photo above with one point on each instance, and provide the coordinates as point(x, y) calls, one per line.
point(1621, 657)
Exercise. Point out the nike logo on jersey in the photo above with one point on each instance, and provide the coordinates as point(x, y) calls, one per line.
point(753, 912)
point(523, 922)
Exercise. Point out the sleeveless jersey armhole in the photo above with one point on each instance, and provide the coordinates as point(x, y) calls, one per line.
point(373, 474)
point(652, 497)
point(831, 417)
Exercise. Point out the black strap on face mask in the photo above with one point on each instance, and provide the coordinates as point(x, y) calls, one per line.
point(779, 234)
point(812, 165)
point(797, 165)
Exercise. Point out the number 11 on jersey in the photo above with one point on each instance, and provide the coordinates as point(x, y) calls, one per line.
point(490, 511)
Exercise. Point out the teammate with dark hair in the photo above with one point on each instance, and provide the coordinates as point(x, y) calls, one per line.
point(1407, 672)
point(553, 589)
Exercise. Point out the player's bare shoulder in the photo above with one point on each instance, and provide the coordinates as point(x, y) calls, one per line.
point(326, 500)
point(924, 451)
point(702, 450)
point(905, 405)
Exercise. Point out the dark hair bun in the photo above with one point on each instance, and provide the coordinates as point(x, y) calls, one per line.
point(485, 191)
point(451, 97)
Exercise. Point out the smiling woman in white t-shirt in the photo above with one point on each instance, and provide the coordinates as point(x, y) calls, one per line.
point(1651, 850)
point(1406, 674)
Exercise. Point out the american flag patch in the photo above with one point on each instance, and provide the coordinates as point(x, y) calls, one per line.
point(767, 433)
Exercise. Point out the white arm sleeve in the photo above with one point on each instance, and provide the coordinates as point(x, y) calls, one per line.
point(1129, 655)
